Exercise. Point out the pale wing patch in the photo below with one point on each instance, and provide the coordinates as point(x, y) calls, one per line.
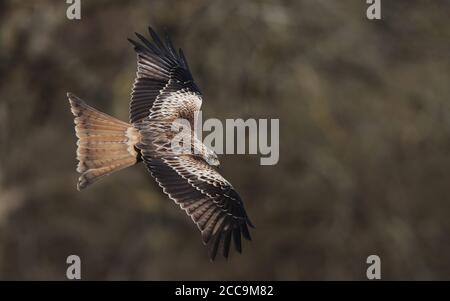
point(171, 104)
point(163, 77)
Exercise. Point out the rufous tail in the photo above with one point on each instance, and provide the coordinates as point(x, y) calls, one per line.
point(105, 144)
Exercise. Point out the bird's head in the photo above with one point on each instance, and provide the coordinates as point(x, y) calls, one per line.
point(212, 159)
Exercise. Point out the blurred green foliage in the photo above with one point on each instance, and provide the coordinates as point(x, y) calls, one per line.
point(364, 149)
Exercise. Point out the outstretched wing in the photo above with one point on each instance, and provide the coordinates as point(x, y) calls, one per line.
point(207, 198)
point(164, 88)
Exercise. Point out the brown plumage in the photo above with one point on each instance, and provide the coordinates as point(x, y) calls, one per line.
point(105, 144)
point(164, 91)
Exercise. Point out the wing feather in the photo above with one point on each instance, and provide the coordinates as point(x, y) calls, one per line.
point(163, 91)
point(209, 199)
point(163, 78)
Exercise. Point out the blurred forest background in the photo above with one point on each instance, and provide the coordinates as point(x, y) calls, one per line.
point(364, 115)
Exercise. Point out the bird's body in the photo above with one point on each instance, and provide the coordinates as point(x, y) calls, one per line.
point(164, 93)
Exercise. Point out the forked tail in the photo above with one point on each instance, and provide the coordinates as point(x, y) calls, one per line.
point(105, 144)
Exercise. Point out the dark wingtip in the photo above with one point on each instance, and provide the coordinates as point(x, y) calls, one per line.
point(151, 31)
point(133, 42)
point(153, 34)
point(249, 222)
point(213, 252)
point(237, 239)
point(156, 39)
point(226, 244)
point(141, 38)
point(170, 46)
point(181, 54)
point(245, 232)
point(136, 45)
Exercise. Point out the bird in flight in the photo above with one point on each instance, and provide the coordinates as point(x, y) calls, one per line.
point(163, 93)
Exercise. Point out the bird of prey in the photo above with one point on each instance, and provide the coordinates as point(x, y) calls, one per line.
point(163, 92)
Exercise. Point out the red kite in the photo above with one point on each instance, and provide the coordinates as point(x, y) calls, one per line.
point(163, 92)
